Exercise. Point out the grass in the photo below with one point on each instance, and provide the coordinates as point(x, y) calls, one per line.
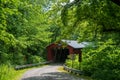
point(18, 74)
point(61, 69)
point(9, 73)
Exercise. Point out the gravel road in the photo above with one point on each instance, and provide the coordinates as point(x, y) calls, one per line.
point(49, 72)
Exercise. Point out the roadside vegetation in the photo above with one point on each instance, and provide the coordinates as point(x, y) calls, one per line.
point(9, 73)
point(100, 63)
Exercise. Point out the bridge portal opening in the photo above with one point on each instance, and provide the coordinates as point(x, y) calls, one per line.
point(60, 54)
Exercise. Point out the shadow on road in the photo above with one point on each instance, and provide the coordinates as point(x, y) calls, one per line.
point(52, 76)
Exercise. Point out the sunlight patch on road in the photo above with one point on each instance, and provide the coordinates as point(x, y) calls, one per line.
point(61, 69)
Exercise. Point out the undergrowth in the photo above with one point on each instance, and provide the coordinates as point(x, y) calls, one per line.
point(8, 73)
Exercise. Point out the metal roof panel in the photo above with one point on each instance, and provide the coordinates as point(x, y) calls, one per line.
point(76, 44)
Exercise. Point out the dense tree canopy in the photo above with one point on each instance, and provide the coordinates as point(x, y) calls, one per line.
point(102, 16)
point(85, 18)
point(23, 30)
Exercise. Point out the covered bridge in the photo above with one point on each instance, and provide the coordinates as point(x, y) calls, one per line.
point(58, 52)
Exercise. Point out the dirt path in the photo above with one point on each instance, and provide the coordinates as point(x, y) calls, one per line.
point(49, 72)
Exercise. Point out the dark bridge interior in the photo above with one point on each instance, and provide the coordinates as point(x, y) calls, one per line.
point(60, 54)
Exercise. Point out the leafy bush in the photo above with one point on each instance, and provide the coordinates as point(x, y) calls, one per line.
point(102, 63)
point(18, 59)
point(4, 57)
point(34, 59)
point(73, 63)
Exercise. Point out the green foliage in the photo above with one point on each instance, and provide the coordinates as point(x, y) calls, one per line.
point(19, 58)
point(4, 57)
point(23, 31)
point(73, 63)
point(34, 59)
point(89, 19)
point(103, 62)
point(8, 73)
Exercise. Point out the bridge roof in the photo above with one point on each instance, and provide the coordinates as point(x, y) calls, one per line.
point(76, 44)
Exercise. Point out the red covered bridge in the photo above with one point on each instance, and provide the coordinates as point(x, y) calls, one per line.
point(58, 52)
